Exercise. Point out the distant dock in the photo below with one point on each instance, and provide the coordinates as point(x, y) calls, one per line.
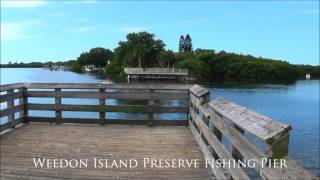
point(156, 73)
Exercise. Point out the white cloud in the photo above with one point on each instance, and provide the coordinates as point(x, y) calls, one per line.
point(83, 29)
point(129, 29)
point(22, 3)
point(11, 31)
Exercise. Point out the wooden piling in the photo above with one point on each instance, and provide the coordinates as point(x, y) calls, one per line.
point(102, 103)
point(58, 113)
point(10, 105)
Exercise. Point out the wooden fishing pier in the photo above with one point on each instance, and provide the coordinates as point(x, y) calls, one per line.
point(156, 73)
point(201, 134)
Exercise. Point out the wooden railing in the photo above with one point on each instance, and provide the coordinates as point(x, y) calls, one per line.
point(219, 120)
point(13, 92)
point(212, 123)
point(151, 94)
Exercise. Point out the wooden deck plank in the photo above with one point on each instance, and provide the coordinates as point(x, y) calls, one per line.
point(19, 146)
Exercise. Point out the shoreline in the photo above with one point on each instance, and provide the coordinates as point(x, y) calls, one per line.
point(219, 83)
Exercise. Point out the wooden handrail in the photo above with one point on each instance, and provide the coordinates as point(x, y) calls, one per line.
point(153, 93)
point(210, 120)
point(6, 87)
point(137, 86)
point(259, 125)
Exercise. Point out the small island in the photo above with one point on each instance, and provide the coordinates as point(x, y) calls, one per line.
point(144, 50)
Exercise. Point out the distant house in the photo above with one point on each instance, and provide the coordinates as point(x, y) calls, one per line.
point(92, 68)
point(308, 76)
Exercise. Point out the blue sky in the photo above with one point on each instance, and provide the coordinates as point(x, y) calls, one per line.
point(61, 30)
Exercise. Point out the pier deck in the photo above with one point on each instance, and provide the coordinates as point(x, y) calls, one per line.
point(19, 146)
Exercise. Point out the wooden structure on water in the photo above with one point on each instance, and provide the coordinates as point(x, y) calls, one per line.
point(200, 135)
point(156, 73)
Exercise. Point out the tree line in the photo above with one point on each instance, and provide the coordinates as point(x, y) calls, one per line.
point(144, 50)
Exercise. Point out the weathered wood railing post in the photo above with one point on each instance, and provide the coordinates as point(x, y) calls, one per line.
point(10, 104)
point(57, 104)
point(24, 101)
point(203, 95)
point(151, 103)
point(278, 147)
point(198, 96)
point(102, 103)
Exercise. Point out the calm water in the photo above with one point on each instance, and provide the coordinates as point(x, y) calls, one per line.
point(296, 104)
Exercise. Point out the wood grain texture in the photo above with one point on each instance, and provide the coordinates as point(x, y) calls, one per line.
point(259, 125)
point(250, 151)
point(10, 105)
point(57, 101)
point(102, 103)
point(218, 172)
point(89, 141)
point(199, 90)
point(219, 148)
point(110, 95)
point(109, 108)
